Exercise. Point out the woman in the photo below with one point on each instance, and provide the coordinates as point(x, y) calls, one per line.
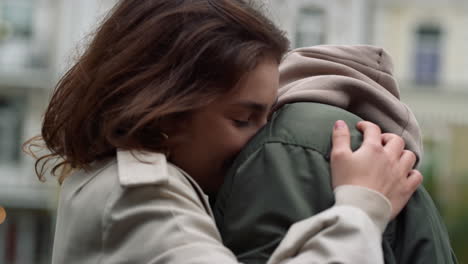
point(151, 115)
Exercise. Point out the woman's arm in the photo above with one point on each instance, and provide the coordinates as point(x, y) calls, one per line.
point(349, 232)
point(167, 223)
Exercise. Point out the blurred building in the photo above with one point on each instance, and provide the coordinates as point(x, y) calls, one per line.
point(427, 40)
point(40, 38)
point(37, 41)
point(314, 22)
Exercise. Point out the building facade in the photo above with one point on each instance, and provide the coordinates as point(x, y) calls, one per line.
point(427, 40)
point(314, 22)
point(38, 41)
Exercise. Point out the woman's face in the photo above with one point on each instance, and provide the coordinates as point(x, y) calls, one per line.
point(215, 134)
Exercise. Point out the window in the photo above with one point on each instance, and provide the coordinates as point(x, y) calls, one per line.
point(310, 27)
point(17, 18)
point(11, 118)
point(22, 35)
point(428, 55)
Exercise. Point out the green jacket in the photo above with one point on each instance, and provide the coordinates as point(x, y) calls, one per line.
point(283, 176)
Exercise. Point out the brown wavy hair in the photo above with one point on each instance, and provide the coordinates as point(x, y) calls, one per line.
point(151, 62)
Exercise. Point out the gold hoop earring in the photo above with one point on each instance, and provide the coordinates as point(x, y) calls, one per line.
point(167, 152)
point(164, 135)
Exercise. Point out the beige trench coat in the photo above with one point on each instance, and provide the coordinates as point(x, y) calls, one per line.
point(139, 208)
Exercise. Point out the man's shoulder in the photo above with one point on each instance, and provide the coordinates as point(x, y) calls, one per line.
point(306, 124)
point(316, 113)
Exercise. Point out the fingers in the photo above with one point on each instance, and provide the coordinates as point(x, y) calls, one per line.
point(393, 143)
point(372, 133)
point(341, 139)
point(396, 146)
point(415, 179)
point(408, 159)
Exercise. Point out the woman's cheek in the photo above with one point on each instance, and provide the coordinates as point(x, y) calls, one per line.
point(241, 142)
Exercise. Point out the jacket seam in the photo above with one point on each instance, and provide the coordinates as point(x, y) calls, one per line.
point(403, 129)
point(105, 223)
point(344, 59)
point(284, 142)
point(105, 219)
point(179, 226)
point(379, 77)
point(174, 213)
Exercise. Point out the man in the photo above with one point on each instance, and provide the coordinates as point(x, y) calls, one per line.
point(283, 174)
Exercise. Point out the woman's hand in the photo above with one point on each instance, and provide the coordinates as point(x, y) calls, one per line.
point(381, 164)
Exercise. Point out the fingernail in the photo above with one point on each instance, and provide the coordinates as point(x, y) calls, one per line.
point(340, 124)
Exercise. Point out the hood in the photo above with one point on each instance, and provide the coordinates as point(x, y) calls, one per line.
point(358, 79)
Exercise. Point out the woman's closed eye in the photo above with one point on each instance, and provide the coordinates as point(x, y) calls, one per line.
point(242, 122)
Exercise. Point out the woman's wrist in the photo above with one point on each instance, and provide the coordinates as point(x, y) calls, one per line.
point(373, 203)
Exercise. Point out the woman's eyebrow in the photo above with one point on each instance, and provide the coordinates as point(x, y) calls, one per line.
point(255, 106)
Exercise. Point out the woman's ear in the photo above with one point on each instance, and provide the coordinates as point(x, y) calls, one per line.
point(175, 130)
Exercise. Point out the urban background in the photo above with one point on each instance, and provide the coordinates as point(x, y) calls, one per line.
point(427, 39)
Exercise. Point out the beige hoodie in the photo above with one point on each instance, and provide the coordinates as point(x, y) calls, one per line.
point(355, 78)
